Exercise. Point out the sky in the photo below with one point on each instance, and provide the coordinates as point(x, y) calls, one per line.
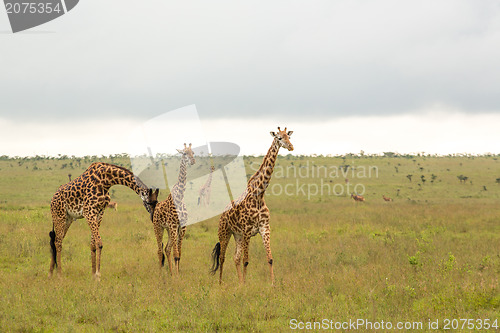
point(345, 76)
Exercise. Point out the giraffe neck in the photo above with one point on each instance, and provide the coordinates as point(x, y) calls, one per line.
point(180, 186)
point(209, 180)
point(115, 175)
point(260, 180)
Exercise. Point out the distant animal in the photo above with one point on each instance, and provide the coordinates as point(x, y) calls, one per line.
point(206, 189)
point(248, 215)
point(357, 197)
point(386, 198)
point(113, 204)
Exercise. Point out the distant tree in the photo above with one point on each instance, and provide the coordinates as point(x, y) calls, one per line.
point(422, 178)
point(397, 170)
point(409, 177)
point(498, 181)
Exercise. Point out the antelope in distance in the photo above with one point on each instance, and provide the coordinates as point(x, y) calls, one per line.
point(386, 198)
point(113, 205)
point(357, 198)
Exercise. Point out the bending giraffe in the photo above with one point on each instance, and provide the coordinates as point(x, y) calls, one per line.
point(249, 215)
point(171, 214)
point(206, 189)
point(87, 197)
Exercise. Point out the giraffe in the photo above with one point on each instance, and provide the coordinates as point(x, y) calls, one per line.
point(206, 189)
point(248, 214)
point(87, 197)
point(171, 214)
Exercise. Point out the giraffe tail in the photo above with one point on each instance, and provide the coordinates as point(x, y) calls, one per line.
point(53, 250)
point(215, 259)
point(162, 256)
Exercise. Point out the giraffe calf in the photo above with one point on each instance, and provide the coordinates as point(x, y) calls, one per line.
point(171, 214)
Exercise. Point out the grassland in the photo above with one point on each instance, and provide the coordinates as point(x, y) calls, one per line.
point(431, 254)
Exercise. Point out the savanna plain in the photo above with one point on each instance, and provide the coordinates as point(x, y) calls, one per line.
point(432, 253)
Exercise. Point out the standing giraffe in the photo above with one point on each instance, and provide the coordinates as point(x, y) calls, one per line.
point(249, 215)
point(87, 197)
point(206, 189)
point(171, 214)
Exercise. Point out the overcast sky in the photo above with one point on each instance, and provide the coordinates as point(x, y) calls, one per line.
point(309, 63)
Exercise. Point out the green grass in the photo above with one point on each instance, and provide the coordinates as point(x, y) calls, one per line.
point(433, 253)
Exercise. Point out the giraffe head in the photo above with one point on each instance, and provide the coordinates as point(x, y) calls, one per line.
point(150, 199)
point(283, 138)
point(187, 153)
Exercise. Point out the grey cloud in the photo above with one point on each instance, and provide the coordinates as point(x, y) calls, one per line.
point(319, 58)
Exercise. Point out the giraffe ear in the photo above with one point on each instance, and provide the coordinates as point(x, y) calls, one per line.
point(289, 133)
point(179, 151)
point(273, 134)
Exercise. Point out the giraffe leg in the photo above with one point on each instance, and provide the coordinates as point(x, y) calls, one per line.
point(56, 244)
point(245, 246)
point(182, 232)
point(175, 250)
point(265, 232)
point(96, 244)
point(237, 256)
point(168, 249)
point(159, 240)
point(59, 218)
point(224, 237)
point(92, 253)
